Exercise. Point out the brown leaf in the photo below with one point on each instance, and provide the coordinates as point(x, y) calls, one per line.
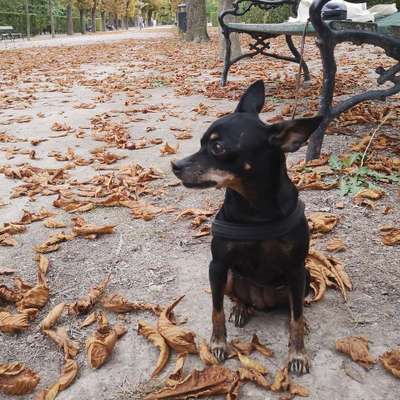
point(154, 337)
point(253, 376)
point(372, 194)
point(60, 337)
point(9, 295)
point(390, 236)
point(100, 345)
point(322, 222)
point(205, 354)
point(53, 223)
point(6, 271)
point(357, 348)
point(53, 316)
point(326, 272)
point(281, 381)
point(251, 364)
point(210, 381)
point(179, 339)
point(183, 135)
point(167, 149)
point(298, 390)
point(67, 377)
point(177, 375)
point(90, 229)
point(120, 304)
point(16, 379)
point(43, 264)
point(242, 347)
point(391, 361)
point(89, 320)
point(12, 323)
point(335, 245)
point(261, 348)
point(85, 304)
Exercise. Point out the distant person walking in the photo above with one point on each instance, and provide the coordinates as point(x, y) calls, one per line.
point(141, 22)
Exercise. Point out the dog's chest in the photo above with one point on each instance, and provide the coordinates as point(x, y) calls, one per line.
point(262, 262)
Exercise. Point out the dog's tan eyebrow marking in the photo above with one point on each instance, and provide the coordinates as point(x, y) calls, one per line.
point(247, 166)
point(214, 136)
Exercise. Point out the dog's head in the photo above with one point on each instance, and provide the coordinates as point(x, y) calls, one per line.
point(239, 146)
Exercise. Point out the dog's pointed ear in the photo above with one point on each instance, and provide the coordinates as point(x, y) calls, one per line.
point(253, 99)
point(290, 135)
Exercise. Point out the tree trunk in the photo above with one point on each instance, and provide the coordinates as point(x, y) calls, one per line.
point(116, 21)
point(82, 21)
point(103, 21)
point(196, 21)
point(149, 15)
point(70, 23)
point(94, 15)
point(236, 49)
point(28, 21)
point(52, 27)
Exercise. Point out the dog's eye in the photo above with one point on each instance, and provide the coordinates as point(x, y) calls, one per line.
point(217, 148)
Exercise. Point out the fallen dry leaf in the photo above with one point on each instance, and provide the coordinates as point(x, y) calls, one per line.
point(167, 149)
point(281, 381)
point(120, 304)
point(7, 271)
point(85, 304)
point(390, 235)
point(177, 374)
point(154, 337)
point(205, 354)
point(357, 348)
point(251, 364)
point(60, 337)
point(16, 379)
point(210, 381)
point(53, 316)
point(67, 377)
point(391, 361)
point(322, 222)
point(90, 229)
point(241, 346)
point(254, 376)
point(335, 245)
point(326, 272)
point(100, 345)
point(179, 339)
point(372, 194)
point(89, 320)
point(261, 348)
point(53, 224)
point(12, 323)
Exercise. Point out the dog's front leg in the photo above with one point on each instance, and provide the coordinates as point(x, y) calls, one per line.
point(218, 276)
point(298, 361)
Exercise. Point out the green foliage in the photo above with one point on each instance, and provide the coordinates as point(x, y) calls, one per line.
point(356, 177)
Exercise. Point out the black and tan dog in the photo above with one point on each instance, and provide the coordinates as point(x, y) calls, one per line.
point(260, 234)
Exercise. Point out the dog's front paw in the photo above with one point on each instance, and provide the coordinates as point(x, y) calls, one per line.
point(240, 314)
point(219, 348)
point(298, 363)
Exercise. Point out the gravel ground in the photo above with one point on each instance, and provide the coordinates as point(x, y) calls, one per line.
point(159, 260)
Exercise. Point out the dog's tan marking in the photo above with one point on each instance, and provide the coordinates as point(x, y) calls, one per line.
point(247, 166)
point(214, 136)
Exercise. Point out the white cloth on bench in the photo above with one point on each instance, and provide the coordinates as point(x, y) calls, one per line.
point(355, 12)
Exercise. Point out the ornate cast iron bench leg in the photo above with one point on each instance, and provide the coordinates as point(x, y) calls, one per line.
point(297, 57)
point(327, 40)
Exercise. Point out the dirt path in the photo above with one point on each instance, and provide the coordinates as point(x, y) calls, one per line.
point(159, 260)
point(90, 38)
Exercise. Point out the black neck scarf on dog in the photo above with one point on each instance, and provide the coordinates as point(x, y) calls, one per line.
point(266, 231)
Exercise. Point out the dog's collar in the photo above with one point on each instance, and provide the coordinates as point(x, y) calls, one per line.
point(266, 231)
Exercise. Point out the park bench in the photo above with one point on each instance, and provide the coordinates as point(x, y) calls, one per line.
point(384, 33)
point(8, 32)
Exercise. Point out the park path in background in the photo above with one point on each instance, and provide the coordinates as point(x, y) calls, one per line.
point(89, 38)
